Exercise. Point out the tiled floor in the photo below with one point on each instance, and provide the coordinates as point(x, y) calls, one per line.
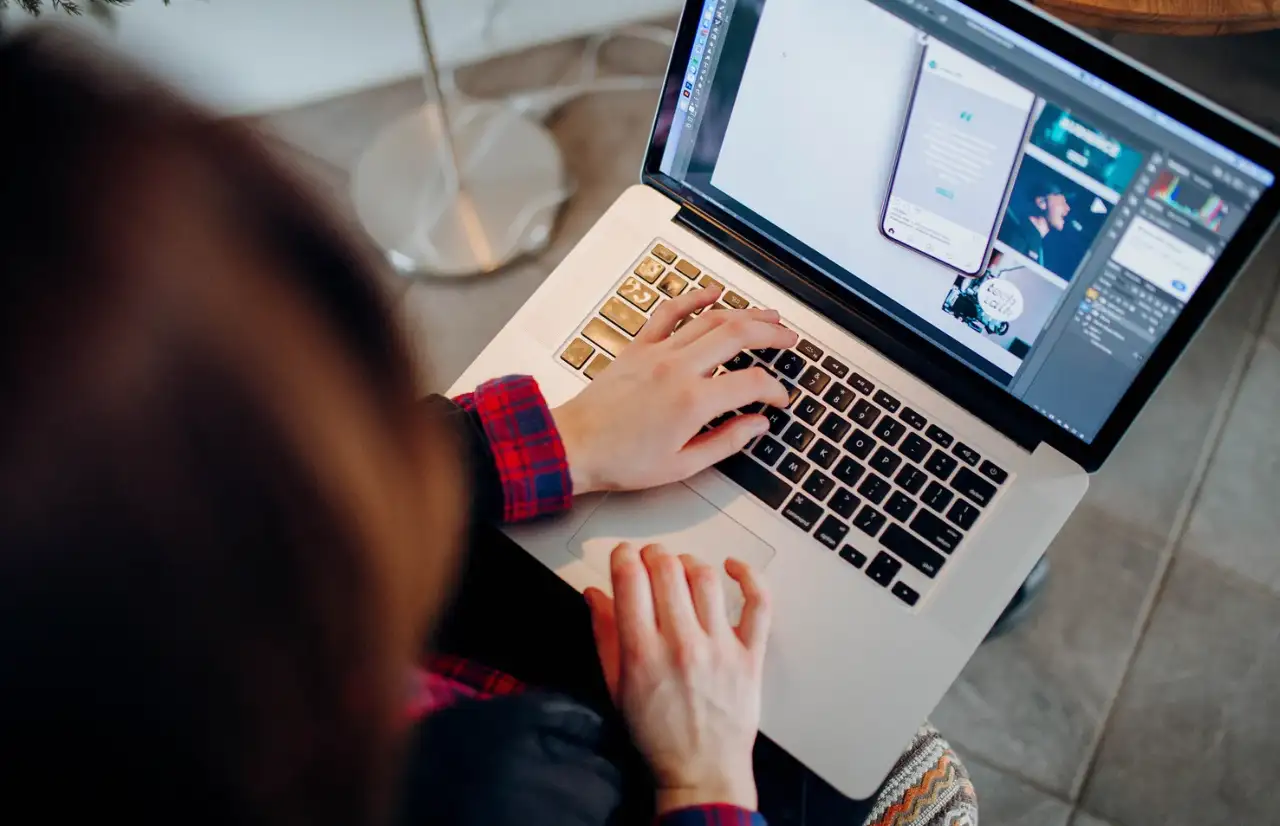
point(1143, 691)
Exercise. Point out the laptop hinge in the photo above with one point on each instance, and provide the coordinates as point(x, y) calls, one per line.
point(939, 373)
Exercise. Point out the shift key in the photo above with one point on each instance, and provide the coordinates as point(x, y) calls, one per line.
point(609, 339)
point(757, 479)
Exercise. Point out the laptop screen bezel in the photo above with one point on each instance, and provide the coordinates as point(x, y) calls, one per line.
point(912, 351)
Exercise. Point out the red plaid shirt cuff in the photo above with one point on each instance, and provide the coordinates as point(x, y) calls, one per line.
point(443, 681)
point(527, 449)
point(712, 814)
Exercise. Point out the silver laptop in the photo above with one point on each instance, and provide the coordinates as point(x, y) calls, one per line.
point(994, 237)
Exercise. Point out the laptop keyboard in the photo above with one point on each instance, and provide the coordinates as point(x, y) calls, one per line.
point(846, 454)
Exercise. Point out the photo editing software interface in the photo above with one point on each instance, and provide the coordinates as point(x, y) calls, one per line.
point(1042, 226)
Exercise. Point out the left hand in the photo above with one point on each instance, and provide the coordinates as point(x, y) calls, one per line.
point(636, 426)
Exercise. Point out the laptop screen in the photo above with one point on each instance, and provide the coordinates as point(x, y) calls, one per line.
point(1042, 226)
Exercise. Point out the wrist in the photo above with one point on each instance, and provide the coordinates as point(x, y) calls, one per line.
point(571, 437)
point(736, 791)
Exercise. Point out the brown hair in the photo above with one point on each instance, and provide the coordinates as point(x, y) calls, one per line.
point(210, 463)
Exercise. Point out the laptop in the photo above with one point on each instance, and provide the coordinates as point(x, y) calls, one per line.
point(994, 236)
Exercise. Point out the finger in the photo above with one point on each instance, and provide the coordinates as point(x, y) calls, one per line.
point(663, 322)
point(708, 595)
point(671, 599)
point(742, 332)
point(709, 321)
point(753, 628)
point(604, 627)
point(632, 604)
point(740, 388)
point(705, 449)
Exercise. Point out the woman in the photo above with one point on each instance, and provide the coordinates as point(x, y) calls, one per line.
point(227, 528)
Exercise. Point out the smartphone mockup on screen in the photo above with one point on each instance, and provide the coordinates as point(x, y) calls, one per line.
point(962, 141)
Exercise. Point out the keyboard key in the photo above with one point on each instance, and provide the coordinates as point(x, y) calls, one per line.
point(635, 291)
point(912, 551)
point(937, 497)
point(777, 419)
point(936, 532)
point(839, 397)
point(721, 419)
point(605, 336)
point(597, 366)
point(883, 569)
point(900, 506)
point(860, 444)
point(974, 487)
point(768, 451)
point(754, 407)
point(649, 270)
point(890, 430)
point(717, 306)
point(689, 270)
point(624, 315)
point(849, 471)
point(834, 367)
point(709, 283)
point(823, 453)
point(755, 479)
point(834, 427)
point(915, 447)
point(815, 381)
point(798, 436)
point(869, 520)
point(853, 556)
point(831, 532)
point(886, 401)
point(885, 461)
point(968, 454)
point(809, 350)
point(789, 364)
point(739, 362)
point(844, 503)
point(963, 514)
point(865, 413)
point(809, 410)
point(767, 354)
point(942, 437)
point(818, 485)
point(940, 464)
point(793, 467)
point(577, 353)
point(861, 384)
point(672, 284)
point(735, 301)
point(912, 418)
point(911, 479)
point(803, 512)
point(874, 488)
point(664, 253)
point(993, 472)
point(793, 392)
point(904, 592)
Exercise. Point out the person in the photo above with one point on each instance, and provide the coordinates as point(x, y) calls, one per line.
point(229, 527)
point(1027, 223)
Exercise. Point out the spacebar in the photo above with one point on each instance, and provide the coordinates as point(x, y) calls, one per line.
point(756, 478)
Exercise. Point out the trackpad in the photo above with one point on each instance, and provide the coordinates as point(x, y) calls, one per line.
point(682, 522)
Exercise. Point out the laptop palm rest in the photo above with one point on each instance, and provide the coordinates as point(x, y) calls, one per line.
point(682, 522)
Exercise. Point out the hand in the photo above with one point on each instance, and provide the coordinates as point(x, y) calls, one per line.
point(636, 426)
point(687, 683)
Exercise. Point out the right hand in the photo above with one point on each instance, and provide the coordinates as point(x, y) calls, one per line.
point(687, 682)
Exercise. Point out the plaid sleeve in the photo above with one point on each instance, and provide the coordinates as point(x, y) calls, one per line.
point(527, 450)
point(444, 680)
point(713, 814)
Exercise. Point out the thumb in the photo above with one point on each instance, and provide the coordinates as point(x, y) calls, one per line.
point(604, 627)
point(705, 449)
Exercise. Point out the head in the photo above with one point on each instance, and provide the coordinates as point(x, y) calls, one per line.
point(1052, 206)
point(225, 526)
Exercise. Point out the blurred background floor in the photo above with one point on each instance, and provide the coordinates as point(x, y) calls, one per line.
point(1143, 691)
